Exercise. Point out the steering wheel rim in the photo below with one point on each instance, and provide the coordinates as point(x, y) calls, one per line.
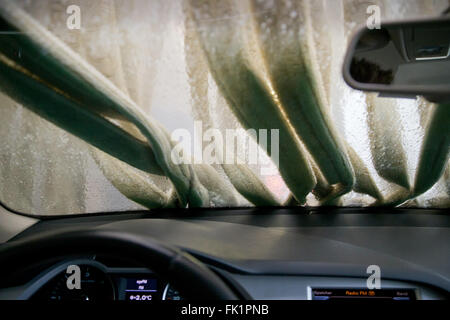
point(187, 274)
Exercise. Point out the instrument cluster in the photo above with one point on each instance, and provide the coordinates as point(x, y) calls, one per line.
point(92, 281)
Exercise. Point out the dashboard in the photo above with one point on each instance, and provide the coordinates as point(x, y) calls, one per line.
point(139, 285)
point(275, 255)
point(97, 282)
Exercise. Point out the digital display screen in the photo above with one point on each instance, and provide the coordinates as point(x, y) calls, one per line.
point(381, 294)
point(141, 289)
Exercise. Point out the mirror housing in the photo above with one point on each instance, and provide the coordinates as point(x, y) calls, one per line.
point(403, 59)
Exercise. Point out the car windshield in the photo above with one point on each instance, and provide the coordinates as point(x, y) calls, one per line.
point(221, 104)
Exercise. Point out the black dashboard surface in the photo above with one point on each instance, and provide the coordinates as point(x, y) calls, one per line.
point(407, 244)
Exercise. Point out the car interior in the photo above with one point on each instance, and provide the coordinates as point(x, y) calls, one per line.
point(117, 182)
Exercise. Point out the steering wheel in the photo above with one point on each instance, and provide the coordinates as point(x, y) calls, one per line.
point(187, 274)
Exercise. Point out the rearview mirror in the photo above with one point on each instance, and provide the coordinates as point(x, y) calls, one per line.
point(402, 59)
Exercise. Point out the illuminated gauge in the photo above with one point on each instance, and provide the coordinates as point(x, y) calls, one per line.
point(170, 293)
point(95, 285)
